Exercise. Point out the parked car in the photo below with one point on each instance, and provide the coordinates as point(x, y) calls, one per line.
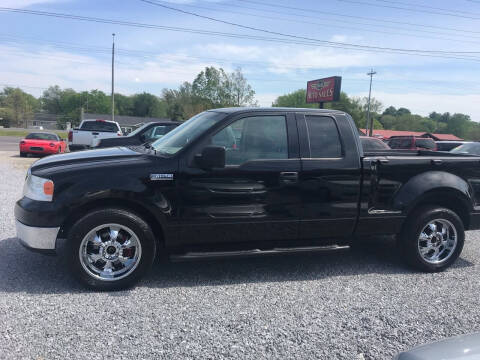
point(373, 144)
point(472, 148)
point(90, 131)
point(464, 347)
point(146, 133)
point(411, 143)
point(41, 144)
point(291, 180)
point(449, 145)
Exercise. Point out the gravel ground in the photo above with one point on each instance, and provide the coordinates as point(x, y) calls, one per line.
point(343, 305)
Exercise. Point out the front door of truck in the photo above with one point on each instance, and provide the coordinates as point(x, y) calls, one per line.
point(330, 179)
point(255, 196)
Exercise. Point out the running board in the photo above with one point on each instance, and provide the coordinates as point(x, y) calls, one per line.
point(252, 252)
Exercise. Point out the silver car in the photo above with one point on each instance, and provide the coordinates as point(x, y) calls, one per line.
point(465, 347)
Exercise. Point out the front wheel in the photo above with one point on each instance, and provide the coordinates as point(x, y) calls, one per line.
point(110, 249)
point(432, 238)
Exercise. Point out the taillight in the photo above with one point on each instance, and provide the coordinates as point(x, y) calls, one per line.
point(51, 144)
point(70, 135)
point(22, 142)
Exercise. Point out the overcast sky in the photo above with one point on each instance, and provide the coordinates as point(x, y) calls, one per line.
point(38, 51)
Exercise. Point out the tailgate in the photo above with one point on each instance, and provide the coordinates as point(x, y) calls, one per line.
point(80, 137)
point(99, 135)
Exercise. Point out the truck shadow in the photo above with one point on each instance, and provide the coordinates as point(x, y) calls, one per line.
point(24, 271)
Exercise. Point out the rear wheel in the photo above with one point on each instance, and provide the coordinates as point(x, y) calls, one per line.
point(432, 238)
point(22, 154)
point(110, 249)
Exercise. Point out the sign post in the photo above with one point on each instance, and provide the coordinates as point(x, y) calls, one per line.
point(323, 90)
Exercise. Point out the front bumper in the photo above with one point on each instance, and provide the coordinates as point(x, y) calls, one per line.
point(45, 151)
point(37, 238)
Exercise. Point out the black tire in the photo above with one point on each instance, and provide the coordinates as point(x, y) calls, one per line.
point(22, 154)
point(409, 238)
point(97, 218)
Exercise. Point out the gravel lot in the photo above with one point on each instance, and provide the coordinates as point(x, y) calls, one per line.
point(343, 305)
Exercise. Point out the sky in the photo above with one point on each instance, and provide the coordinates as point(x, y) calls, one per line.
point(39, 51)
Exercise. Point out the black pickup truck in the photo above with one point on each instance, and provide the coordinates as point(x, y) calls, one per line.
point(243, 181)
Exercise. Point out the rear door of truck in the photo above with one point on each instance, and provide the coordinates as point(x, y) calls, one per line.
point(330, 178)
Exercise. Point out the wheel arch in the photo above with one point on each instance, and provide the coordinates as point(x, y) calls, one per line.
point(449, 198)
point(132, 206)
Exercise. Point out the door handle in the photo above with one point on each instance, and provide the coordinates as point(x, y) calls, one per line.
point(289, 177)
point(94, 133)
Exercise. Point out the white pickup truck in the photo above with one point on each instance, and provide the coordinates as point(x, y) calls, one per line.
point(90, 131)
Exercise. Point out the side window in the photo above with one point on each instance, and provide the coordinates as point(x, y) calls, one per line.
point(323, 137)
point(147, 135)
point(254, 138)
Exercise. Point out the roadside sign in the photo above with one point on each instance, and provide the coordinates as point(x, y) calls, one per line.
point(324, 90)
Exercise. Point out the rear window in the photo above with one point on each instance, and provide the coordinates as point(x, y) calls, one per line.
point(400, 143)
point(42, 136)
point(323, 137)
point(99, 126)
point(425, 144)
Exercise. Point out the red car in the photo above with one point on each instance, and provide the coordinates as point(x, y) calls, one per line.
point(412, 143)
point(42, 144)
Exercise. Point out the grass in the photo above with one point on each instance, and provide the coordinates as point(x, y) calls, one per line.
point(23, 133)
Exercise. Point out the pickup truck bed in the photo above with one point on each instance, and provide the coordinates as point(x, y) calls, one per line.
point(251, 181)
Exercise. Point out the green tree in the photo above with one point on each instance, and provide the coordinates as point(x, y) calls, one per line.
point(19, 106)
point(212, 88)
point(390, 111)
point(294, 99)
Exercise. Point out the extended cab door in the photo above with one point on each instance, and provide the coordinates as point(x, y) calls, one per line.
point(255, 197)
point(330, 179)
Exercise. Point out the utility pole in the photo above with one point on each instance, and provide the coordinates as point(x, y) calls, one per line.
point(370, 121)
point(113, 78)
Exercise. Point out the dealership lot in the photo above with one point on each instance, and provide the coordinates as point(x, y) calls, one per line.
point(344, 305)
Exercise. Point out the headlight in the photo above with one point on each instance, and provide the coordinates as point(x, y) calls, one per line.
point(37, 188)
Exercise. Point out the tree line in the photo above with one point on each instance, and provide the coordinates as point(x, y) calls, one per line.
point(214, 88)
point(211, 88)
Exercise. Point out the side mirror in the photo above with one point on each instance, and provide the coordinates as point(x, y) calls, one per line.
point(211, 157)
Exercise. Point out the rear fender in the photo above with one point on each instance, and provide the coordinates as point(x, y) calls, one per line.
point(421, 186)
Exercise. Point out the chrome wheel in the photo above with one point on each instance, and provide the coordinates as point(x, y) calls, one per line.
point(110, 252)
point(437, 241)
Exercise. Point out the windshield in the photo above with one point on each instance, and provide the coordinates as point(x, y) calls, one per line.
point(175, 140)
point(371, 144)
point(139, 129)
point(99, 125)
point(42, 136)
point(473, 148)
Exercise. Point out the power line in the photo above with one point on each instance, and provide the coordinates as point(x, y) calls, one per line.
point(388, 21)
point(336, 24)
point(304, 37)
point(318, 43)
point(378, 22)
point(140, 53)
point(426, 7)
point(410, 10)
